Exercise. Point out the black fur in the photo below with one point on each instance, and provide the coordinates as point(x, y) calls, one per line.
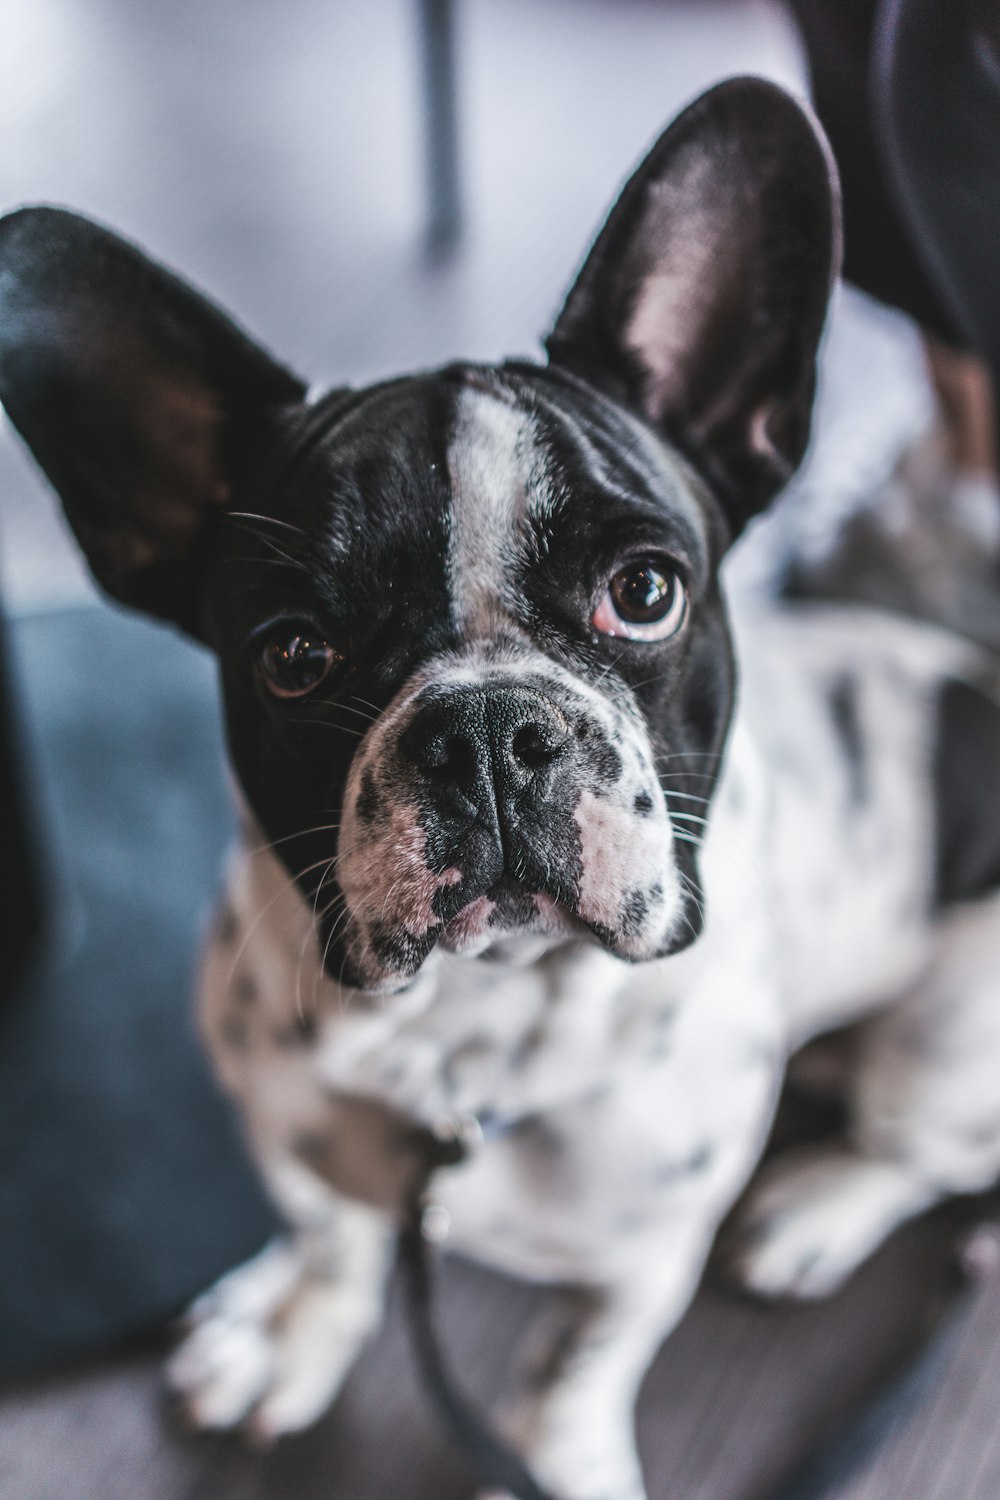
point(966, 794)
point(844, 713)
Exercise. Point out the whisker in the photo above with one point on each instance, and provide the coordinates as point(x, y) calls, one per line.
point(689, 817)
point(311, 938)
point(689, 755)
point(283, 890)
point(285, 557)
point(349, 729)
point(690, 891)
point(729, 846)
point(688, 838)
point(287, 838)
point(374, 706)
point(336, 929)
point(252, 515)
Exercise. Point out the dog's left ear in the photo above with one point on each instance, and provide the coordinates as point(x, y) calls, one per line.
point(702, 302)
point(143, 403)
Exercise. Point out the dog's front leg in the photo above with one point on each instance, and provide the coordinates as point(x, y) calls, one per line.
point(270, 1345)
point(573, 1418)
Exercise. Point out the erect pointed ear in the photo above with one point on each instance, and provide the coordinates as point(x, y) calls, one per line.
point(703, 299)
point(137, 397)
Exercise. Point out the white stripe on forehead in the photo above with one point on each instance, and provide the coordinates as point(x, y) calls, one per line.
point(493, 464)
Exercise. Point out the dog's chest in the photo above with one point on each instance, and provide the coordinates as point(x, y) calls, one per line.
point(611, 1095)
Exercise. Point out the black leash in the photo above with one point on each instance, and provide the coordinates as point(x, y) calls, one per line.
point(493, 1460)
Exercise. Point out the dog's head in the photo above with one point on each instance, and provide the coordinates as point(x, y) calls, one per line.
point(475, 660)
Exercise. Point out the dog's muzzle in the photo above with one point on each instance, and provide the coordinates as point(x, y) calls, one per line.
point(490, 808)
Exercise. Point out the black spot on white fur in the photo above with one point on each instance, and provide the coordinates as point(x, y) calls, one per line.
point(605, 763)
point(966, 778)
point(670, 1171)
point(845, 714)
point(634, 912)
point(369, 803)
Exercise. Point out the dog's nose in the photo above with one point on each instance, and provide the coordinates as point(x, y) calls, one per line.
point(471, 739)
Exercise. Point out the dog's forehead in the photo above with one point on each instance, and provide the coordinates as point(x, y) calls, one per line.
point(503, 492)
point(466, 478)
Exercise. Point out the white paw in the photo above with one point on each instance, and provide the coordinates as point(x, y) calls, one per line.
point(572, 1457)
point(812, 1217)
point(268, 1346)
point(633, 1491)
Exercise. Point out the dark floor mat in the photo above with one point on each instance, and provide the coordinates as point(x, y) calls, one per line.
point(123, 1188)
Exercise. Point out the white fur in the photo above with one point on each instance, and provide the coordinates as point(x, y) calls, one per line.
point(491, 460)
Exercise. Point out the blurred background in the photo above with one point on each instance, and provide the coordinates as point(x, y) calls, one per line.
point(278, 157)
point(289, 159)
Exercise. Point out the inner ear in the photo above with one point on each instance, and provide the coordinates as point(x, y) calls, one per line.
point(703, 300)
point(139, 399)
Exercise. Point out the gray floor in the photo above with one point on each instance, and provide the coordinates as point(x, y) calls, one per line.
point(737, 1399)
point(273, 154)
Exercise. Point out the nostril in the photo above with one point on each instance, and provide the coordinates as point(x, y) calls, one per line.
point(443, 758)
point(450, 759)
point(534, 746)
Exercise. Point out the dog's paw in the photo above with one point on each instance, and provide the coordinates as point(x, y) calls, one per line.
point(631, 1491)
point(268, 1347)
point(812, 1217)
point(574, 1459)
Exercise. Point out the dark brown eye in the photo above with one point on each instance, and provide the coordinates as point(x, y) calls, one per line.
point(645, 601)
point(292, 665)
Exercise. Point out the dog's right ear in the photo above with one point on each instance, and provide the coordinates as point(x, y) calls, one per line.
point(138, 398)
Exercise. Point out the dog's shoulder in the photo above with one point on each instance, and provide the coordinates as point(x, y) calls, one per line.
point(833, 693)
point(923, 699)
point(879, 740)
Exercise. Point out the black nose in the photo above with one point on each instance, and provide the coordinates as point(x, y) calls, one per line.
point(470, 740)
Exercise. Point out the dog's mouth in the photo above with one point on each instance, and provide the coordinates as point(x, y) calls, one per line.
point(383, 947)
point(509, 910)
point(508, 921)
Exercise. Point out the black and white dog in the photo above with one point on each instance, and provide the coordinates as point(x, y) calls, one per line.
point(519, 853)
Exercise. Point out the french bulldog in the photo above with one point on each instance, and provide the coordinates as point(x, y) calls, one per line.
point(525, 858)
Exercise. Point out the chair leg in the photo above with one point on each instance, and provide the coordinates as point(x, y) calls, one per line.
point(444, 218)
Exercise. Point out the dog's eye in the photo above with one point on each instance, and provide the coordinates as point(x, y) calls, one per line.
point(645, 601)
point(292, 665)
